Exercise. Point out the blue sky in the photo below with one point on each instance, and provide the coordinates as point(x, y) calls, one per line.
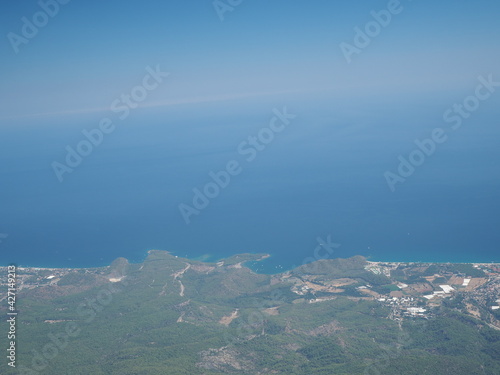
point(92, 51)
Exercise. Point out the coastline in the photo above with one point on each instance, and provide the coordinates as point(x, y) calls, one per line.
point(240, 260)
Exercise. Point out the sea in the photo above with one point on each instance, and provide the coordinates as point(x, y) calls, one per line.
point(323, 174)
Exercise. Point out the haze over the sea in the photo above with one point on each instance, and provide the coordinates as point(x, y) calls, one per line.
point(324, 174)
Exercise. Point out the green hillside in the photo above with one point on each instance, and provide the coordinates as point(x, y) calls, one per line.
point(169, 315)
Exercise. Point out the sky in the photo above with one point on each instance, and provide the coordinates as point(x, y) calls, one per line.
point(90, 52)
point(229, 66)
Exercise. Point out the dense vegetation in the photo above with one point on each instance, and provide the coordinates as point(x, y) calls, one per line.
point(143, 326)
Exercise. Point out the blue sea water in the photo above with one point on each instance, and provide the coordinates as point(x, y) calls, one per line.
point(323, 175)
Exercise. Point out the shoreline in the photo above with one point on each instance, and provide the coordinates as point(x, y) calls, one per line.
point(243, 263)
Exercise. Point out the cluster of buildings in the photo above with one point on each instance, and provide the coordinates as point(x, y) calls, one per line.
point(479, 294)
point(487, 295)
point(34, 277)
point(404, 307)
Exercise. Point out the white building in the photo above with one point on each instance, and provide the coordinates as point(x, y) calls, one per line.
point(446, 288)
